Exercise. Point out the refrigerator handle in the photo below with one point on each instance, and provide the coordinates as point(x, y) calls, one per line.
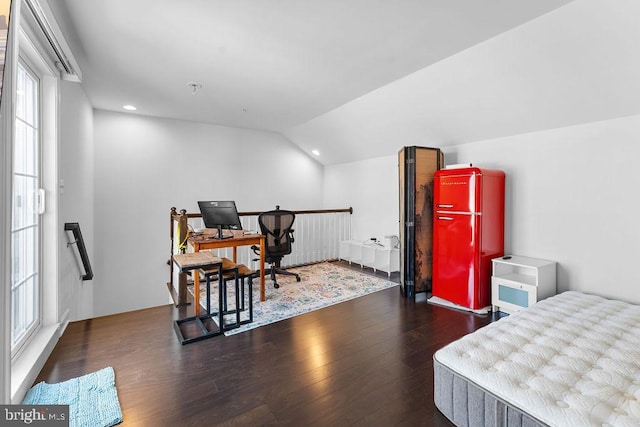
point(439, 205)
point(445, 218)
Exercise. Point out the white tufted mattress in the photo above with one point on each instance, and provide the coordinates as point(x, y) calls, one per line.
point(570, 360)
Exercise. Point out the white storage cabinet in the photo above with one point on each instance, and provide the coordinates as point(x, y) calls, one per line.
point(370, 255)
point(519, 282)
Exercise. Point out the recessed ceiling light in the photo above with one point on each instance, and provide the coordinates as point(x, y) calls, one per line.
point(315, 152)
point(129, 107)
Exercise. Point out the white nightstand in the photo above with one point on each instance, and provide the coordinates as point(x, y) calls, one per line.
point(518, 282)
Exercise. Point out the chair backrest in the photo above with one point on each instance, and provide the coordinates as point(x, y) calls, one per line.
point(276, 226)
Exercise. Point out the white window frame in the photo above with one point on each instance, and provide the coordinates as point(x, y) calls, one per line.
point(6, 190)
point(27, 362)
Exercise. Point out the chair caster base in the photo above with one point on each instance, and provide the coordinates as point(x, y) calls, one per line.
point(275, 285)
point(297, 278)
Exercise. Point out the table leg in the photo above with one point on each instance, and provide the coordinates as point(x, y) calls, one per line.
point(196, 287)
point(182, 289)
point(222, 287)
point(262, 250)
point(196, 293)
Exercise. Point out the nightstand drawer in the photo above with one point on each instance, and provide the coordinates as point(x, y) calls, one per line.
point(509, 296)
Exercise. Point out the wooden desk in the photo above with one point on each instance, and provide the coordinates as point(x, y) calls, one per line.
point(205, 240)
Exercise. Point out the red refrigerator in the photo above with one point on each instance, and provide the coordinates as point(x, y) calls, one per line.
point(468, 232)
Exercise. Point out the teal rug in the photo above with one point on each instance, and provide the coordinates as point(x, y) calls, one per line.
point(92, 398)
point(321, 285)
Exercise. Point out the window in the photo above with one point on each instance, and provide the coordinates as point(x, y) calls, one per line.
point(25, 227)
point(32, 118)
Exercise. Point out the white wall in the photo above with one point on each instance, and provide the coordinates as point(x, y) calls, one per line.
point(76, 201)
point(371, 188)
point(144, 166)
point(571, 197)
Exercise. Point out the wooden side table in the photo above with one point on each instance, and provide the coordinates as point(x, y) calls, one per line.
point(195, 261)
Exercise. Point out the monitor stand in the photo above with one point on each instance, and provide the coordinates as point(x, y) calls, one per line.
point(220, 235)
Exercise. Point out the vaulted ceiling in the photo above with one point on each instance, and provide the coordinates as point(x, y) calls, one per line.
point(360, 78)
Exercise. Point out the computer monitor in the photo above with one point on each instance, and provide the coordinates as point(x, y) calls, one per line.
point(220, 215)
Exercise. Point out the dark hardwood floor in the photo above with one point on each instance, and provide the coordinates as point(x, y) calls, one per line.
point(363, 362)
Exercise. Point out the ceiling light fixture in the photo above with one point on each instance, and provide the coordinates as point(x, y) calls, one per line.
point(194, 87)
point(315, 152)
point(129, 107)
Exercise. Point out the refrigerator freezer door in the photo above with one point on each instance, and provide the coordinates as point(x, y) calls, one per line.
point(455, 266)
point(457, 190)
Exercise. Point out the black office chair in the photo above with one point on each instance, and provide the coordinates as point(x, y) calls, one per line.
point(276, 226)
